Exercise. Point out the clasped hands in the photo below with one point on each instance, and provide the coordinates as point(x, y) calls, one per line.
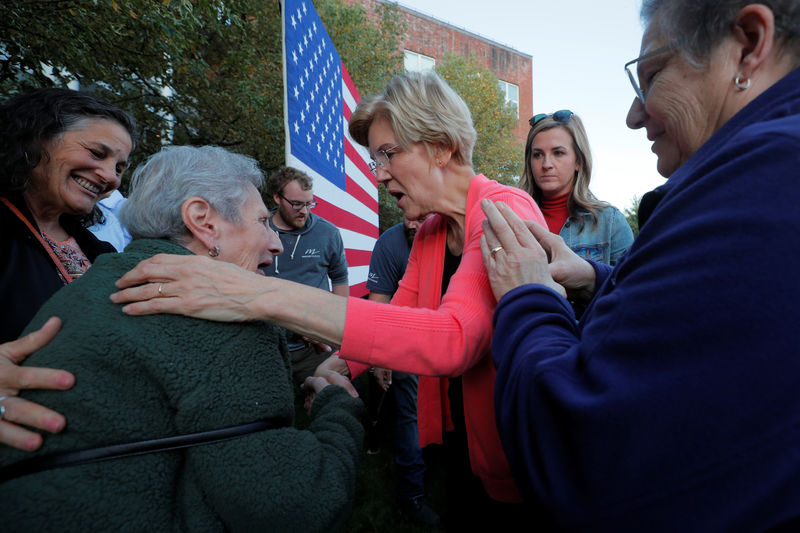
point(517, 252)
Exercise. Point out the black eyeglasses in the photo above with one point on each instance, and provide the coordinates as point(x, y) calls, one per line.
point(297, 206)
point(562, 115)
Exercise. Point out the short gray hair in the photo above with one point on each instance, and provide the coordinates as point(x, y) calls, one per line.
point(699, 25)
point(420, 107)
point(161, 184)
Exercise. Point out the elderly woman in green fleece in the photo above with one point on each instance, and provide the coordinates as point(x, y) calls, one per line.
point(143, 378)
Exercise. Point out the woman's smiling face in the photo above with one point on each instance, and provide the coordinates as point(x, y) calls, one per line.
point(81, 166)
point(684, 105)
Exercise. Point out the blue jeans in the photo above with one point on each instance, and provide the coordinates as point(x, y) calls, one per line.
point(409, 465)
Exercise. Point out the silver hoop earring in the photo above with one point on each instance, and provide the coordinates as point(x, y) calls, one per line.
point(214, 252)
point(741, 82)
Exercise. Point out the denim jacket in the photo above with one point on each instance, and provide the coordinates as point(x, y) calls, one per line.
point(606, 243)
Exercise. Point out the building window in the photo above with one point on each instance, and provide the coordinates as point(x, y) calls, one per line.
point(511, 94)
point(415, 62)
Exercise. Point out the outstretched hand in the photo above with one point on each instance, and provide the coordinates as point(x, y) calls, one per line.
point(190, 285)
point(14, 378)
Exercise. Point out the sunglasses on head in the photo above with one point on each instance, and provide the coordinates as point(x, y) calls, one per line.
point(559, 116)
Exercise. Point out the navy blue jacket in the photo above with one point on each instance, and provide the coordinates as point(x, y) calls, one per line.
point(675, 404)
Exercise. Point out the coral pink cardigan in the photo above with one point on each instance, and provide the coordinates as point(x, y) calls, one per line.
point(425, 334)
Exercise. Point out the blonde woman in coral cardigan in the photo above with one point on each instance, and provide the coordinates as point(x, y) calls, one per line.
point(439, 324)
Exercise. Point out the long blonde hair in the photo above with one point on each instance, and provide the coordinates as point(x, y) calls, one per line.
point(581, 198)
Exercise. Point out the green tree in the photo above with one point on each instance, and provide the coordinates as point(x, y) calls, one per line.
point(498, 154)
point(200, 71)
point(227, 86)
point(370, 50)
point(119, 49)
point(631, 214)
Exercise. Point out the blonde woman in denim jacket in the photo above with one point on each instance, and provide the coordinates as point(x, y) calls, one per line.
point(558, 168)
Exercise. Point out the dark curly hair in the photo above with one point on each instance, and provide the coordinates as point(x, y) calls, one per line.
point(28, 121)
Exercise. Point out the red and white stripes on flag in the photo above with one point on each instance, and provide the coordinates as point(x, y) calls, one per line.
point(319, 98)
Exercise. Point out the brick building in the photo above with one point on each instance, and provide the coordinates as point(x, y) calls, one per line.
point(427, 40)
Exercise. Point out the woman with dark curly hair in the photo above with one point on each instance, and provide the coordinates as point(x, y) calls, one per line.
point(60, 152)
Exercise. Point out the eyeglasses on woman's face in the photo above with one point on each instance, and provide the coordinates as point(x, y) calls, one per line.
point(297, 206)
point(382, 158)
point(639, 89)
point(562, 115)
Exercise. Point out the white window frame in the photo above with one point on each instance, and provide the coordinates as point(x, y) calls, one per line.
point(504, 88)
point(416, 62)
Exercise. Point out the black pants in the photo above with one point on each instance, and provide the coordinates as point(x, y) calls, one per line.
point(468, 506)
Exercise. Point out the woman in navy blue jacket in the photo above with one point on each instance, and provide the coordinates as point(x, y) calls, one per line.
point(673, 405)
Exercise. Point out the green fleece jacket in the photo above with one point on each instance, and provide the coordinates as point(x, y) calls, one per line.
point(158, 376)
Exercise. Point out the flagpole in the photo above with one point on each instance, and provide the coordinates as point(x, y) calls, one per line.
point(287, 143)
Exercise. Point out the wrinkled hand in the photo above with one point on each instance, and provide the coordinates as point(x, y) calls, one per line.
point(335, 371)
point(332, 371)
point(384, 377)
point(319, 346)
point(312, 386)
point(566, 267)
point(190, 285)
point(14, 378)
point(519, 259)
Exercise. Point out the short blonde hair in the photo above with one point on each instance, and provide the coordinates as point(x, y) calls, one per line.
point(420, 107)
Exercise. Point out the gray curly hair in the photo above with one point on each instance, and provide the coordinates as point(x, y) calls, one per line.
point(161, 184)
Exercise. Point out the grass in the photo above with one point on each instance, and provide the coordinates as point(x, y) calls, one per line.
point(374, 507)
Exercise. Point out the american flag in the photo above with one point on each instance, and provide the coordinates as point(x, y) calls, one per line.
point(320, 97)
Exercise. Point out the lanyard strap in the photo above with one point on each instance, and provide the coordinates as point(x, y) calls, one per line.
point(47, 248)
point(130, 449)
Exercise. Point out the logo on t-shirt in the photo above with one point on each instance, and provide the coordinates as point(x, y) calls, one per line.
point(312, 252)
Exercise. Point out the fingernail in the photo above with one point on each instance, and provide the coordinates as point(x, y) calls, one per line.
point(65, 380)
point(55, 424)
